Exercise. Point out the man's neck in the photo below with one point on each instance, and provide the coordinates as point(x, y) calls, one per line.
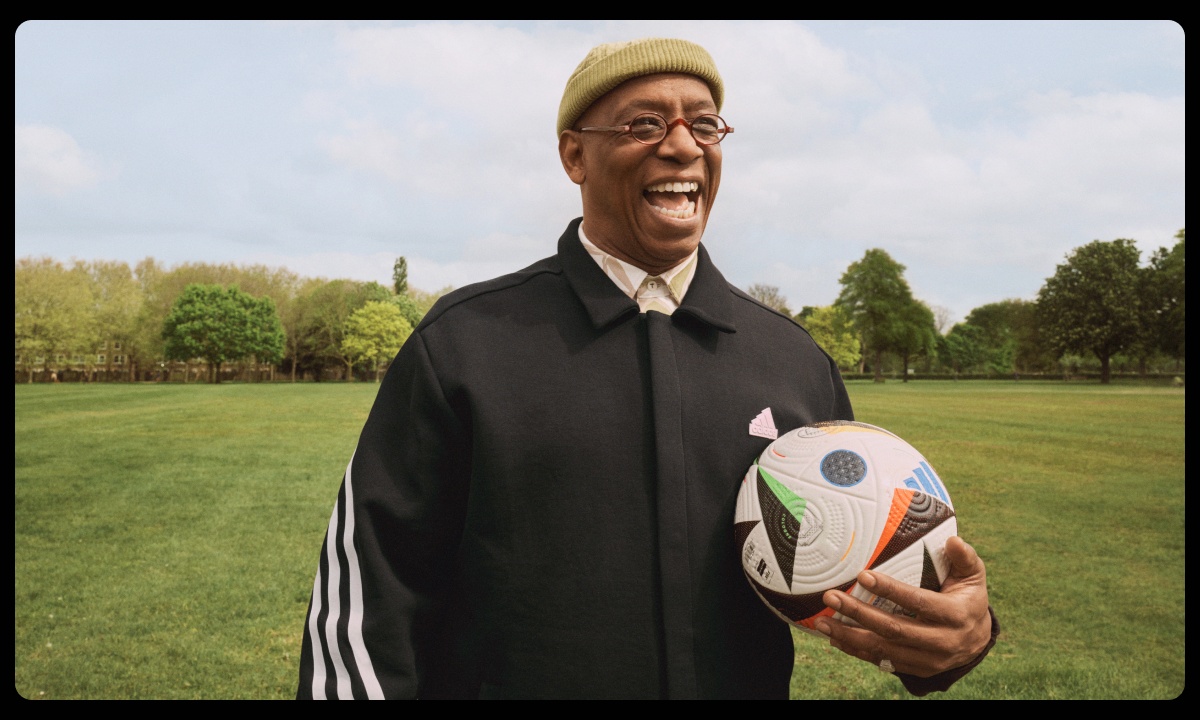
point(628, 277)
point(611, 249)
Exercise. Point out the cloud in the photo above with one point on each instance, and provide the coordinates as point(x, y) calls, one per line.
point(49, 160)
point(367, 146)
point(900, 177)
point(498, 80)
point(440, 127)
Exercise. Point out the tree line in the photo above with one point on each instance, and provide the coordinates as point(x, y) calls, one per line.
point(107, 320)
point(1101, 306)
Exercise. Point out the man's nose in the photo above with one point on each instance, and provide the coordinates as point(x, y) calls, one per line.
point(679, 143)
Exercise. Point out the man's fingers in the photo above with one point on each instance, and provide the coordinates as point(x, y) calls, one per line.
point(913, 599)
point(923, 611)
point(871, 647)
point(883, 624)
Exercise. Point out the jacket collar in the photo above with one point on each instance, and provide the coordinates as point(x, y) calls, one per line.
point(708, 300)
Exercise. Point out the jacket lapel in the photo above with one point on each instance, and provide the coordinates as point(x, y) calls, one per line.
point(709, 299)
point(604, 301)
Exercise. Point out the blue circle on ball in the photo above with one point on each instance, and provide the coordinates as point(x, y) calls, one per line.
point(843, 468)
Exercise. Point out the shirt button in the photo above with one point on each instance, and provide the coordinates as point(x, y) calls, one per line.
point(652, 285)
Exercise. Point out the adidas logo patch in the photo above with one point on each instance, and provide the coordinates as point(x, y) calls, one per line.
point(763, 425)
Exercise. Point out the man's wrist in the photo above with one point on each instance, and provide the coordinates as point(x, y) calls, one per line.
point(941, 682)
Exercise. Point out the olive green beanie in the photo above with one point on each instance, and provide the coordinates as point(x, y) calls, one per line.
point(611, 64)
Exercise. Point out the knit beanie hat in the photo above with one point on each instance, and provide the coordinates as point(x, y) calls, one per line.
point(611, 64)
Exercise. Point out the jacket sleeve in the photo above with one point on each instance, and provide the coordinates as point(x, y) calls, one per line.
point(372, 619)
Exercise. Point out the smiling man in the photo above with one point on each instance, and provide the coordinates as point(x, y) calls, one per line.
point(541, 502)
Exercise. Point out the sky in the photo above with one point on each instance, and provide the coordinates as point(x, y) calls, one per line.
point(978, 154)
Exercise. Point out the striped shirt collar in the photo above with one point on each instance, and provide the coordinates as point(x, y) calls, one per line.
point(629, 278)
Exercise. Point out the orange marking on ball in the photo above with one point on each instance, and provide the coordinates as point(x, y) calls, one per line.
point(848, 548)
point(901, 499)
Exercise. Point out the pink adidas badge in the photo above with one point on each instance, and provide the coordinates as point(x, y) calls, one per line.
point(763, 425)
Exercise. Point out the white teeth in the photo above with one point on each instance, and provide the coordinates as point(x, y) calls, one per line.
point(674, 187)
point(683, 214)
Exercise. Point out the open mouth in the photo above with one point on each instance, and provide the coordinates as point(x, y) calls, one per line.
point(673, 199)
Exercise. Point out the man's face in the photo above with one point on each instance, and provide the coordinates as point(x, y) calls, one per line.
point(626, 185)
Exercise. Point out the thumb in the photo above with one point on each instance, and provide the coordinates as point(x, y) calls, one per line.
point(964, 562)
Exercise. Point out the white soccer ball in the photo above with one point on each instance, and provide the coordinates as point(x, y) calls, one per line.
point(829, 500)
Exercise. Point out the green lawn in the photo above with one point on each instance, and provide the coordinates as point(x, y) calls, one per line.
point(166, 536)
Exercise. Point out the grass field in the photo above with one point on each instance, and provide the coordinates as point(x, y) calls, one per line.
point(166, 535)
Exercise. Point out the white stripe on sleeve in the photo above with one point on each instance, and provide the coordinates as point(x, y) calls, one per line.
point(318, 653)
point(333, 600)
point(354, 620)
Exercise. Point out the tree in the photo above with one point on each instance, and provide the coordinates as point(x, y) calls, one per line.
point(266, 338)
point(116, 302)
point(218, 324)
point(831, 328)
point(329, 306)
point(1092, 303)
point(963, 347)
point(374, 333)
point(915, 333)
point(153, 310)
point(1163, 292)
point(425, 300)
point(53, 314)
point(400, 276)
point(409, 308)
point(875, 294)
point(1033, 352)
point(294, 315)
point(770, 296)
point(161, 288)
point(1010, 335)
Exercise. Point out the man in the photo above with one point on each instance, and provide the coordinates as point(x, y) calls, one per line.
point(541, 501)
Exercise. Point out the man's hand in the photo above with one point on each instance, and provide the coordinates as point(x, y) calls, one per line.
point(950, 628)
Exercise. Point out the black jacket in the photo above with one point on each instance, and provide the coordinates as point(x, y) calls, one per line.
point(541, 502)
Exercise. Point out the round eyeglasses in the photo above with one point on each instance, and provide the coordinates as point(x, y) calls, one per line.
point(652, 128)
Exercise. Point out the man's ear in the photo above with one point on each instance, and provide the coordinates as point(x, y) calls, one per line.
point(570, 151)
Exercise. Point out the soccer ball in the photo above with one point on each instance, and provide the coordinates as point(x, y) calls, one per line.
point(826, 501)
